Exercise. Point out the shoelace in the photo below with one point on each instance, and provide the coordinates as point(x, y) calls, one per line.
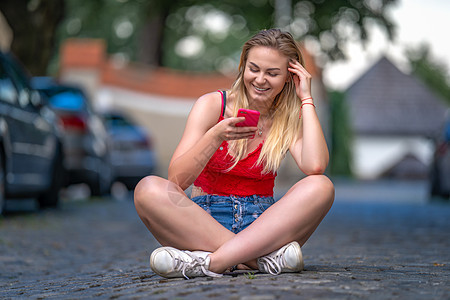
point(272, 265)
point(195, 267)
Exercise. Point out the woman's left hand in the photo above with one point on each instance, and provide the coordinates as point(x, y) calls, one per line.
point(302, 79)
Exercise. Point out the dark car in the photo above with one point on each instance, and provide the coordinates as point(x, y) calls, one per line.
point(86, 142)
point(31, 154)
point(133, 156)
point(440, 168)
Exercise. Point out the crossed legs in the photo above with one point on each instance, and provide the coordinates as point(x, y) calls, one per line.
point(175, 220)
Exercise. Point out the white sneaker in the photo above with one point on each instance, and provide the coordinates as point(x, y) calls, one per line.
point(170, 262)
point(287, 259)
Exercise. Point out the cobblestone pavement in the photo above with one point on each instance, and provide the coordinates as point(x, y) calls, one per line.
point(100, 249)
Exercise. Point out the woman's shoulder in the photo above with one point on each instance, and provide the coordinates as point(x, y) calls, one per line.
point(210, 99)
point(211, 102)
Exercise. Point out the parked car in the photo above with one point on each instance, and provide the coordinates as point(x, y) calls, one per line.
point(133, 156)
point(86, 142)
point(440, 167)
point(31, 156)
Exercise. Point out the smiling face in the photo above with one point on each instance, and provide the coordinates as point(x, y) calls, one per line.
point(265, 75)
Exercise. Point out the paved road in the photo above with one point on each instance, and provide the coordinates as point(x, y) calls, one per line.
point(99, 248)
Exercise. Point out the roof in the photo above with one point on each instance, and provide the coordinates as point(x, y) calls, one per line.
point(385, 100)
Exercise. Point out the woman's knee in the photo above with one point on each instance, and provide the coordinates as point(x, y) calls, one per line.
point(324, 183)
point(148, 191)
point(327, 188)
point(323, 187)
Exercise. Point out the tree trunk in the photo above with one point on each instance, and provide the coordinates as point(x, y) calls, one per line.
point(34, 25)
point(150, 40)
point(151, 37)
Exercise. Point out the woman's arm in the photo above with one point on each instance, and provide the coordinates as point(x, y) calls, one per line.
point(201, 138)
point(310, 150)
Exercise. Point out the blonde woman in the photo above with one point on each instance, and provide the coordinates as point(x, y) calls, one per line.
point(232, 220)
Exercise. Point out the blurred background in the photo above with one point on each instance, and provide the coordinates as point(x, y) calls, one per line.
point(97, 92)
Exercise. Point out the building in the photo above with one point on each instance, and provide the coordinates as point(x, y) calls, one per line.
point(394, 118)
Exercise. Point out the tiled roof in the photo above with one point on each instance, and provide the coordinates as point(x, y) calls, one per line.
point(386, 101)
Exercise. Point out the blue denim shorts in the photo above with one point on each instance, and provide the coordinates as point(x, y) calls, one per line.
point(234, 213)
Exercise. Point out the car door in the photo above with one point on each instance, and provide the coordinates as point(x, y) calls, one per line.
point(32, 141)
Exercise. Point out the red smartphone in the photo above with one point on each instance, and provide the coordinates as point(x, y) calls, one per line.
point(251, 118)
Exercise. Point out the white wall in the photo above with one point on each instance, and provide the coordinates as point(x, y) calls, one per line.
point(164, 117)
point(374, 155)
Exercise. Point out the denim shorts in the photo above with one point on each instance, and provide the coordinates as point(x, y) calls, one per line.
point(234, 213)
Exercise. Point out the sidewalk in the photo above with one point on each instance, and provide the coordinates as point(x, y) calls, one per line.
point(378, 249)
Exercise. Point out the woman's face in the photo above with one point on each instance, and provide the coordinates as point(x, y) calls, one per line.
point(265, 74)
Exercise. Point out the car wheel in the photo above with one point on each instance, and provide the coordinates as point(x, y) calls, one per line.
point(51, 197)
point(2, 186)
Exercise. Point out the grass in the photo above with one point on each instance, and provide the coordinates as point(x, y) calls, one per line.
point(250, 275)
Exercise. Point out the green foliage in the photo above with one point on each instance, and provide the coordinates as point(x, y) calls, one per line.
point(434, 73)
point(250, 275)
point(341, 137)
point(114, 21)
point(220, 49)
point(150, 31)
point(328, 24)
point(333, 23)
point(125, 24)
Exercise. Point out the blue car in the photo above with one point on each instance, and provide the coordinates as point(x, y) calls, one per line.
point(440, 168)
point(86, 143)
point(132, 154)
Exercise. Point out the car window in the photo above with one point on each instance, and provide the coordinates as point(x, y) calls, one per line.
point(67, 100)
point(8, 92)
point(117, 121)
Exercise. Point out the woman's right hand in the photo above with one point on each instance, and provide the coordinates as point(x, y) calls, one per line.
point(227, 130)
point(202, 136)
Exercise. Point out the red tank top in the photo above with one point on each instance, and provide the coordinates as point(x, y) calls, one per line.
point(245, 179)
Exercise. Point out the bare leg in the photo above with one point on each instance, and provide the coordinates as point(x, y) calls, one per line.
point(174, 219)
point(292, 218)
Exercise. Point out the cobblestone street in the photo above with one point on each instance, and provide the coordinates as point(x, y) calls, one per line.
point(99, 249)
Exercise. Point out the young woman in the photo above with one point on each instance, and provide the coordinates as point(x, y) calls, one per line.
point(232, 220)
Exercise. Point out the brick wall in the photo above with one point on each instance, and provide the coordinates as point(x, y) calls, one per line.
point(82, 54)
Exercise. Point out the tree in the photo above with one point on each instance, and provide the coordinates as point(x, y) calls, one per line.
point(333, 23)
point(34, 25)
point(157, 31)
point(434, 73)
point(327, 24)
point(341, 139)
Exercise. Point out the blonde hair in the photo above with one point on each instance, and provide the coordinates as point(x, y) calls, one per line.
point(285, 108)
